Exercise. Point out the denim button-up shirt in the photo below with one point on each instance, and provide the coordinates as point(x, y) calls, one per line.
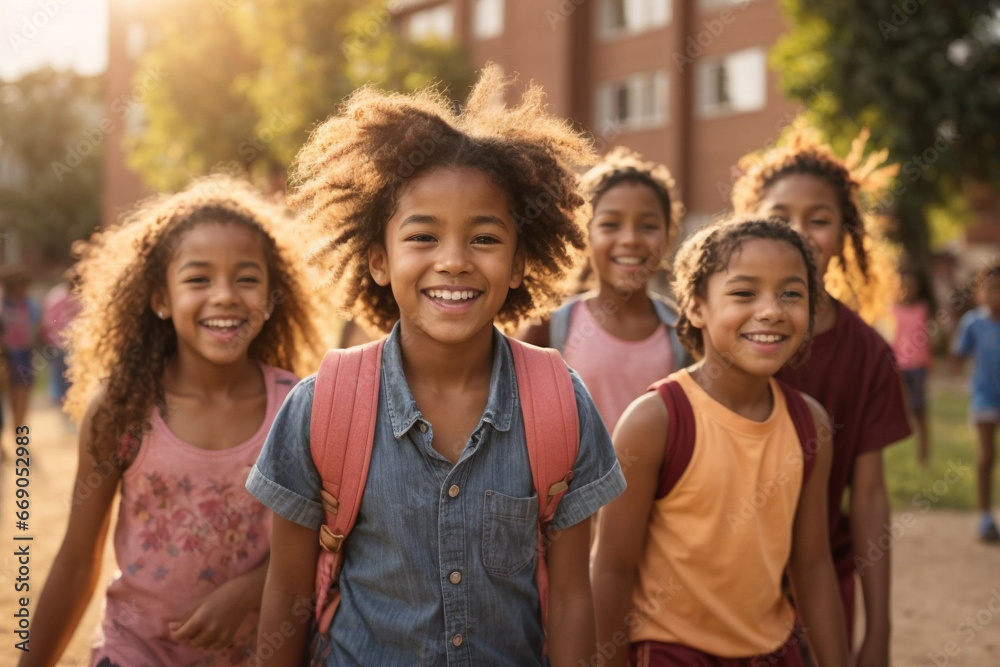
point(440, 566)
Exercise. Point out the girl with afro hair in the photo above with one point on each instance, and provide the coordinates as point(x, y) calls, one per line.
point(440, 224)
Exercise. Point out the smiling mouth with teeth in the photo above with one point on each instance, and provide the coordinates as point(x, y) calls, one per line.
point(222, 323)
point(765, 338)
point(628, 261)
point(452, 295)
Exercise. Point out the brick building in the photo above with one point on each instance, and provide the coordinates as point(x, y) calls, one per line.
point(685, 82)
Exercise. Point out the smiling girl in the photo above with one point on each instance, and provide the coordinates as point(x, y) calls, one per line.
point(726, 474)
point(621, 336)
point(190, 310)
point(436, 236)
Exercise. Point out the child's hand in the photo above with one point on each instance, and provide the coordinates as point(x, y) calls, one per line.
point(214, 620)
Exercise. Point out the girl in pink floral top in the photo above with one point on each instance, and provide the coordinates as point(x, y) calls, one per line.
point(190, 309)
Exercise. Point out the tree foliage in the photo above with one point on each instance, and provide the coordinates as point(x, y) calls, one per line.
point(52, 136)
point(923, 76)
point(246, 81)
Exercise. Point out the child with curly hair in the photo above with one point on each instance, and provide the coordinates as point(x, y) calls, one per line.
point(440, 224)
point(851, 369)
point(191, 309)
point(727, 475)
point(621, 337)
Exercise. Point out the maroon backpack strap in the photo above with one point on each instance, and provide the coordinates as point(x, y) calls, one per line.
point(678, 449)
point(805, 427)
point(341, 435)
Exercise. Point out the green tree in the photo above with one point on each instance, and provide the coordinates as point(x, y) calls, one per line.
point(923, 76)
point(246, 81)
point(52, 138)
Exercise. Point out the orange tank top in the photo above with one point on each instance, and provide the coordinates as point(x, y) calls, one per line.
point(717, 544)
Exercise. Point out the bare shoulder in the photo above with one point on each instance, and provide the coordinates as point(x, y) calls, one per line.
point(644, 423)
point(819, 413)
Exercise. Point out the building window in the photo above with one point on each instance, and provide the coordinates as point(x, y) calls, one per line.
point(722, 4)
point(135, 40)
point(732, 84)
point(487, 18)
point(618, 17)
point(438, 22)
point(635, 103)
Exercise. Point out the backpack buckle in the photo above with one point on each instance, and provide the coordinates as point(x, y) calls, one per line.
point(561, 485)
point(328, 540)
point(330, 503)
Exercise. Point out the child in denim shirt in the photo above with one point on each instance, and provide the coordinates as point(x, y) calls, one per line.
point(439, 225)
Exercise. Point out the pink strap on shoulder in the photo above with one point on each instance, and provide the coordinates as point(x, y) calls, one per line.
point(551, 424)
point(341, 435)
point(552, 429)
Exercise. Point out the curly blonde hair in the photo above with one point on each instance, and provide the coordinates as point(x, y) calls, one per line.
point(862, 274)
point(348, 177)
point(119, 346)
point(709, 251)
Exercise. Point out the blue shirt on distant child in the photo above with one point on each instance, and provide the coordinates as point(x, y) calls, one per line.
point(440, 567)
point(979, 336)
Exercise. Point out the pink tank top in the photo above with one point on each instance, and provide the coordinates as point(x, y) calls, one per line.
point(186, 525)
point(912, 342)
point(615, 371)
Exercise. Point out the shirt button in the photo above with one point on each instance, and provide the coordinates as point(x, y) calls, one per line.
point(422, 427)
point(453, 491)
point(457, 640)
point(455, 577)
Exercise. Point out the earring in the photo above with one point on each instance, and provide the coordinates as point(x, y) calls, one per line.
point(161, 314)
point(267, 315)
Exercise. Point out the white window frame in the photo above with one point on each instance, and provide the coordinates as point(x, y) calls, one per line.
point(488, 18)
point(733, 83)
point(437, 22)
point(636, 102)
point(622, 18)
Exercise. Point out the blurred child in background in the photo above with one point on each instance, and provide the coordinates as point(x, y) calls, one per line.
point(911, 343)
point(978, 337)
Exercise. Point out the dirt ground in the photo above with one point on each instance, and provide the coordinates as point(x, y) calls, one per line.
point(946, 586)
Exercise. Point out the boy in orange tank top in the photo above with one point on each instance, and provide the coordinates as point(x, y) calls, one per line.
point(726, 488)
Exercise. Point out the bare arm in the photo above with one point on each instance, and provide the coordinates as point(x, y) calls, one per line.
point(869, 514)
point(286, 610)
point(639, 439)
point(811, 563)
point(571, 605)
point(77, 566)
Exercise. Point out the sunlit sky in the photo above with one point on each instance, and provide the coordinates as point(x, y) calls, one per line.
point(62, 33)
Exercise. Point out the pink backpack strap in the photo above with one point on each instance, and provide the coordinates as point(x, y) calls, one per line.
point(341, 434)
point(805, 427)
point(552, 428)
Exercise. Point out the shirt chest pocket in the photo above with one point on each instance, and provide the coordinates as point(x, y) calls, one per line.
point(510, 533)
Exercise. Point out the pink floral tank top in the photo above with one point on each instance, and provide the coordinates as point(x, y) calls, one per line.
point(186, 525)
